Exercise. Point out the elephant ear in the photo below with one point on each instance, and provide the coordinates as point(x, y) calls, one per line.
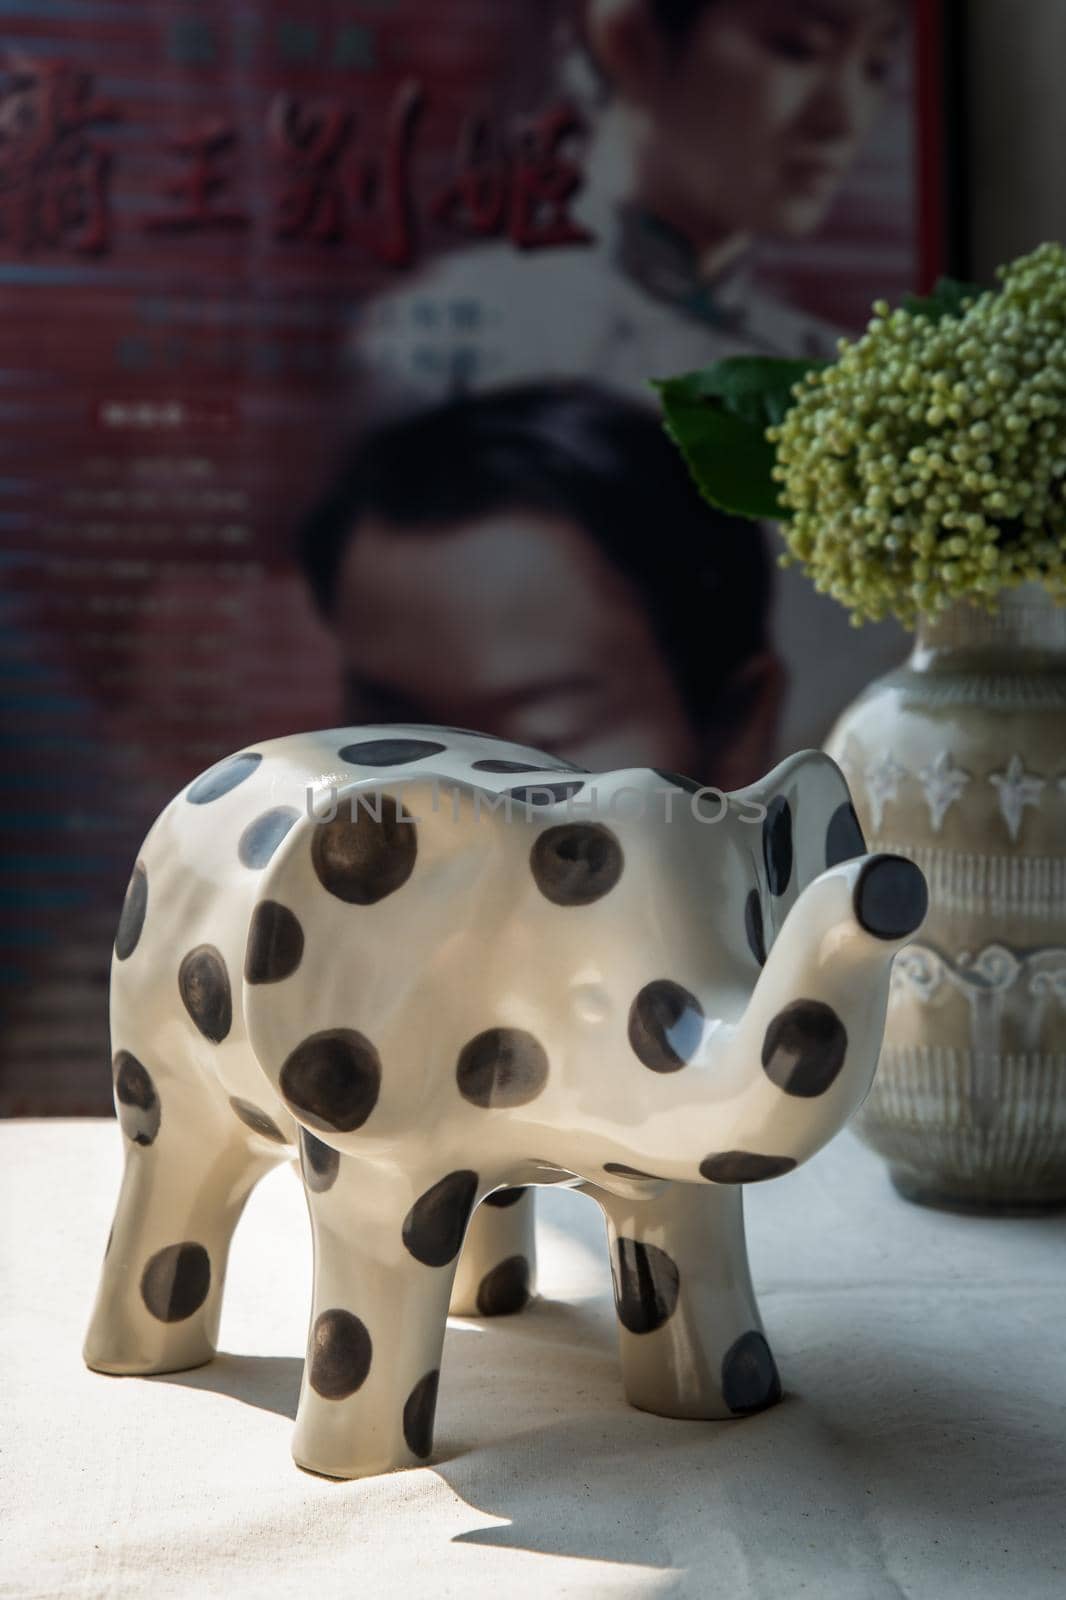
point(809, 824)
point(368, 890)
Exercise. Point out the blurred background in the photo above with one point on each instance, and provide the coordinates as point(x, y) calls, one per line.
point(325, 339)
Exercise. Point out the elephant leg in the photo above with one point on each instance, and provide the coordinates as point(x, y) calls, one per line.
point(183, 1190)
point(386, 1246)
point(498, 1267)
point(691, 1340)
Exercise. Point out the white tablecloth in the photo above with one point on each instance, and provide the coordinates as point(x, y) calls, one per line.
point(919, 1451)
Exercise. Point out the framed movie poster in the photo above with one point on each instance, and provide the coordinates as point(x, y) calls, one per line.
point(327, 334)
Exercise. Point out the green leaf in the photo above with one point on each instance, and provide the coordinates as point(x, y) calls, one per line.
point(757, 388)
point(718, 418)
point(729, 459)
point(945, 300)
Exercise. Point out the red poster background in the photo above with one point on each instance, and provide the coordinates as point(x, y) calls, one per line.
point(195, 201)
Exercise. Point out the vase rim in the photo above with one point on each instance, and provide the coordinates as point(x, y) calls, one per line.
point(1026, 620)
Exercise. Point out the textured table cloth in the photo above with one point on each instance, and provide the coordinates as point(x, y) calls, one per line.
point(920, 1450)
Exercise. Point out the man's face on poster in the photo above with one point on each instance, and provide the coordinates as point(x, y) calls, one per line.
point(751, 117)
point(514, 624)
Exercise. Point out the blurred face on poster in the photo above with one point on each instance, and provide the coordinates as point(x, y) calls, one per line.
point(515, 624)
point(535, 563)
point(744, 115)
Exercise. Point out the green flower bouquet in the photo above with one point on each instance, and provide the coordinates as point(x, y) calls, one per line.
point(926, 465)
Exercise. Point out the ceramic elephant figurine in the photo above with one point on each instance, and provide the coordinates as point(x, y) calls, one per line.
point(450, 969)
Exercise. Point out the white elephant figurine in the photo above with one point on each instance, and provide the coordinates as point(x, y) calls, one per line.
point(449, 969)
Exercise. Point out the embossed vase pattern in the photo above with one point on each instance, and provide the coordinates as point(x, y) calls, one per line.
point(958, 760)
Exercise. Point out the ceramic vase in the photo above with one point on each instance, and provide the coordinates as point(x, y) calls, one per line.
point(958, 760)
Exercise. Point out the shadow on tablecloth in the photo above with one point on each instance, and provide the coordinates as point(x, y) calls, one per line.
point(886, 1451)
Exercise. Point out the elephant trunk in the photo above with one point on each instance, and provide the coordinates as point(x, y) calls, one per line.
point(767, 1092)
point(802, 1059)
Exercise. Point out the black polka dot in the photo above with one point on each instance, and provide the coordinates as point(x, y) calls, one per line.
point(843, 837)
point(502, 1067)
point(646, 1285)
point(338, 1354)
point(222, 777)
point(389, 752)
point(176, 1280)
point(891, 897)
point(434, 1228)
point(665, 1025)
point(576, 863)
point(501, 1198)
point(741, 1166)
point(333, 1079)
point(622, 1171)
point(319, 1162)
point(505, 1289)
point(753, 927)
point(360, 858)
point(804, 1048)
point(275, 943)
point(134, 906)
point(507, 766)
point(545, 794)
point(749, 1375)
point(257, 1120)
point(524, 766)
point(777, 844)
point(690, 785)
point(138, 1103)
point(203, 983)
point(419, 1411)
point(261, 838)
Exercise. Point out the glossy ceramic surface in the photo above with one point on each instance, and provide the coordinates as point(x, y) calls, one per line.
point(449, 969)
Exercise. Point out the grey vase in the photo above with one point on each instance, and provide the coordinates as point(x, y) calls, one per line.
point(958, 760)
